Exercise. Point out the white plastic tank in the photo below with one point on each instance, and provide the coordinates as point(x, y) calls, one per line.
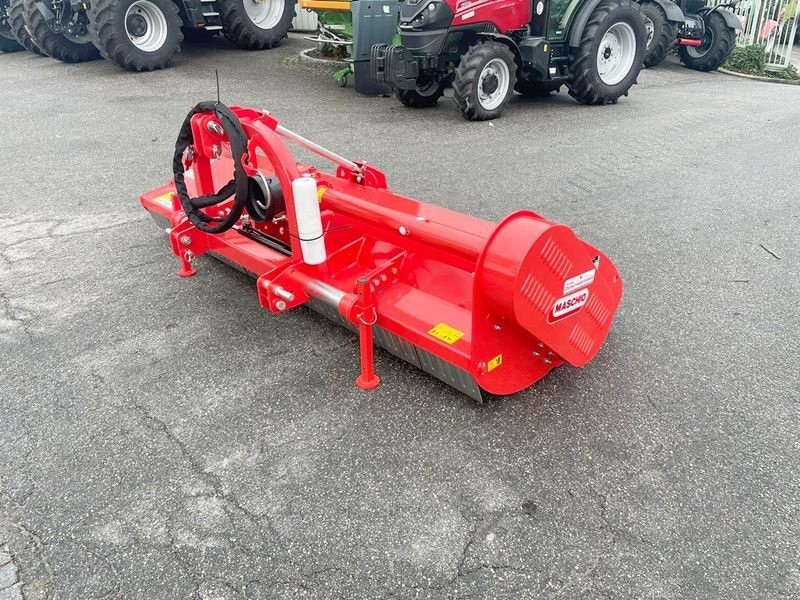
point(309, 221)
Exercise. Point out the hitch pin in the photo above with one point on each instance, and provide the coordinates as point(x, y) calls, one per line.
point(285, 294)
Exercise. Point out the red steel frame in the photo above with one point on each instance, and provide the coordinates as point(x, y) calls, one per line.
point(479, 296)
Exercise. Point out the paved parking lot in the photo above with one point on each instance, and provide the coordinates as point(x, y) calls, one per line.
point(167, 438)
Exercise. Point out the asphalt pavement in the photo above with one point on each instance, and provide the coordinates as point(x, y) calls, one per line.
point(168, 438)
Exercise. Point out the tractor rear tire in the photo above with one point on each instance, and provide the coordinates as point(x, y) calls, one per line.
point(662, 35)
point(484, 81)
point(16, 19)
point(8, 41)
point(537, 89)
point(616, 31)
point(421, 97)
point(717, 46)
point(57, 45)
point(136, 35)
point(256, 24)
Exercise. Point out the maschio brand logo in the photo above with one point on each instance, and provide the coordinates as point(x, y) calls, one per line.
point(569, 304)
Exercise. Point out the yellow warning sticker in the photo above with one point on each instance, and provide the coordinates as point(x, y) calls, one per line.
point(321, 192)
point(494, 363)
point(165, 199)
point(449, 335)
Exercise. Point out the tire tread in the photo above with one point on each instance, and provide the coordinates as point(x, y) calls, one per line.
point(55, 44)
point(715, 57)
point(583, 84)
point(666, 40)
point(240, 30)
point(108, 34)
point(466, 77)
point(16, 20)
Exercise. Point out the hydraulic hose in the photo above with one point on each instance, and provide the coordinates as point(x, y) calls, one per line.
point(237, 186)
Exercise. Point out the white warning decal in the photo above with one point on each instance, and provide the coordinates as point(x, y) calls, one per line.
point(569, 304)
point(579, 281)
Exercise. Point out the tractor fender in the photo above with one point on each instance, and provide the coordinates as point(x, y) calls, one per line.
point(579, 22)
point(731, 20)
point(504, 39)
point(45, 11)
point(190, 11)
point(672, 10)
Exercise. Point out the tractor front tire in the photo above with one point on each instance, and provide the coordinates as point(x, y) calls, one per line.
point(610, 56)
point(422, 97)
point(662, 34)
point(16, 19)
point(57, 45)
point(716, 47)
point(537, 89)
point(256, 24)
point(136, 35)
point(484, 81)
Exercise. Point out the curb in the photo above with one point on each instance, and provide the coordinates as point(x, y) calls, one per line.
point(321, 64)
point(759, 77)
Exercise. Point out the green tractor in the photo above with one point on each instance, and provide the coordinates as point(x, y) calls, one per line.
point(704, 36)
point(144, 35)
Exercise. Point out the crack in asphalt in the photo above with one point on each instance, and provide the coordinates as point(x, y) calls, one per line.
point(51, 235)
point(13, 315)
point(53, 225)
point(209, 477)
point(183, 564)
point(117, 590)
point(41, 551)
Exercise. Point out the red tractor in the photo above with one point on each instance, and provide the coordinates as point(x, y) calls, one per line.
point(486, 49)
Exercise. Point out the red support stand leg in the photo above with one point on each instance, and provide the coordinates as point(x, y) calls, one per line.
point(187, 243)
point(367, 317)
point(186, 265)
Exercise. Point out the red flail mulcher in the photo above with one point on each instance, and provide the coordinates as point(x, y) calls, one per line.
point(488, 308)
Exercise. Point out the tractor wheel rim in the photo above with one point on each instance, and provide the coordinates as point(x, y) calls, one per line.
point(78, 34)
point(705, 45)
point(83, 38)
point(616, 53)
point(493, 83)
point(429, 89)
point(146, 26)
point(651, 31)
point(265, 14)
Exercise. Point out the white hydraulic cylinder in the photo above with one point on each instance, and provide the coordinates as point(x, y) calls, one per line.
point(309, 221)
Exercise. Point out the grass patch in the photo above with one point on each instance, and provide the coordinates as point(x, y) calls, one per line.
point(329, 52)
point(750, 61)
